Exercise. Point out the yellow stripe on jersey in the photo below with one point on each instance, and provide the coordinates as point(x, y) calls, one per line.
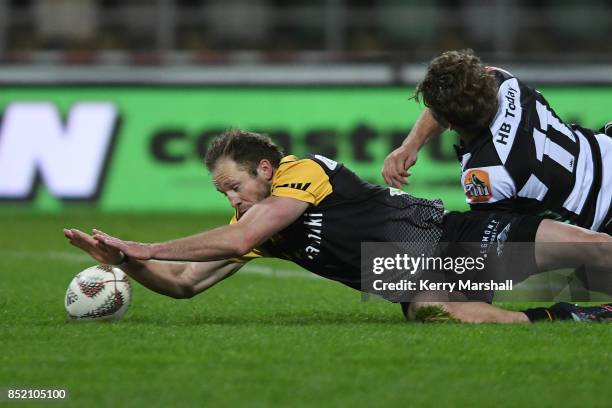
point(254, 254)
point(303, 180)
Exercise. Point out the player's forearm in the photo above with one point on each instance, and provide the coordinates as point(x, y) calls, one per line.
point(425, 127)
point(179, 279)
point(216, 244)
point(161, 277)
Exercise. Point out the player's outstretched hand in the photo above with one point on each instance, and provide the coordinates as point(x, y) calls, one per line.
point(136, 250)
point(97, 250)
point(396, 165)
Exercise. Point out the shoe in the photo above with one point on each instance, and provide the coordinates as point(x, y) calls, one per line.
point(567, 311)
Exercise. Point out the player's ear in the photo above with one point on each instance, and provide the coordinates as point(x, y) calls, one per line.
point(265, 169)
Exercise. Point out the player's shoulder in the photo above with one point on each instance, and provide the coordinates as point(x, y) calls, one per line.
point(303, 179)
point(289, 159)
point(311, 163)
point(293, 164)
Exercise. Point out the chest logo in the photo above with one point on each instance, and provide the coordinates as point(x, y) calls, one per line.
point(297, 186)
point(477, 186)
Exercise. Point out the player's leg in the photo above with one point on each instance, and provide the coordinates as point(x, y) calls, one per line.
point(504, 239)
point(481, 312)
point(561, 245)
point(554, 249)
point(470, 226)
point(466, 311)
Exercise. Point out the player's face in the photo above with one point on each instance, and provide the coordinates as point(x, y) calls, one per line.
point(242, 189)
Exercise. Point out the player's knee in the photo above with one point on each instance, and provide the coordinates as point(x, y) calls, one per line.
point(431, 311)
point(183, 291)
point(410, 309)
point(603, 237)
point(595, 247)
point(595, 237)
point(585, 235)
point(427, 310)
point(601, 249)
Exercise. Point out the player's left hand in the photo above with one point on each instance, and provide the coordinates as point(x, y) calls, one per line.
point(135, 250)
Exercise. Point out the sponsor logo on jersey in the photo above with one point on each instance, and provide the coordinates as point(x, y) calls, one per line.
point(477, 186)
point(314, 225)
point(509, 113)
point(506, 128)
point(297, 186)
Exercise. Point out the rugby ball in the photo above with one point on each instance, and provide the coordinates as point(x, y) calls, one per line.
point(101, 292)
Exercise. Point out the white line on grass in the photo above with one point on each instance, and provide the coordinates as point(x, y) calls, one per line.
point(66, 256)
point(251, 269)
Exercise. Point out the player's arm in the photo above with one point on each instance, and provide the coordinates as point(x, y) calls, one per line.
point(180, 279)
point(174, 279)
point(255, 227)
point(401, 159)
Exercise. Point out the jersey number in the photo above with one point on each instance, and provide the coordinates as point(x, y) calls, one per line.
point(544, 144)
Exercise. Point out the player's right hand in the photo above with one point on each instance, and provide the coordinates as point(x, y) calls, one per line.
point(99, 251)
point(136, 250)
point(397, 163)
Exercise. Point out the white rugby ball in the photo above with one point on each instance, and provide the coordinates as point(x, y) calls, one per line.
point(101, 292)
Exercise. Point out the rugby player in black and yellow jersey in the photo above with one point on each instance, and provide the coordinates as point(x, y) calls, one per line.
point(316, 213)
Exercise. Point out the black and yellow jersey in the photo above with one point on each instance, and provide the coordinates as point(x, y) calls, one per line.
point(344, 211)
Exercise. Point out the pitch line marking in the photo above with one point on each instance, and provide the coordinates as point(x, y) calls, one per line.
point(66, 256)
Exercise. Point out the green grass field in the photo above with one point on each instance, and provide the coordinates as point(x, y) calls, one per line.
point(272, 335)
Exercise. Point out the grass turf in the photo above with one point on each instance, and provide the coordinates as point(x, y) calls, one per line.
point(272, 336)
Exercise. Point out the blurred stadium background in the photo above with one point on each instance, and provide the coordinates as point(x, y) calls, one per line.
point(203, 32)
point(159, 78)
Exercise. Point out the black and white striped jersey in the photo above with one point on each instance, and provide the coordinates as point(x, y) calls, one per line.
point(528, 161)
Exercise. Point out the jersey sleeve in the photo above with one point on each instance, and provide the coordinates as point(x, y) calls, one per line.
point(487, 185)
point(303, 180)
point(254, 254)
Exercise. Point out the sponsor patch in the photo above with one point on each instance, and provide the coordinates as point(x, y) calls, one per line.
point(297, 186)
point(477, 186)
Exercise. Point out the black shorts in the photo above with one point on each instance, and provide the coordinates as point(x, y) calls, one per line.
point(476, 226)
point(485, 235)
